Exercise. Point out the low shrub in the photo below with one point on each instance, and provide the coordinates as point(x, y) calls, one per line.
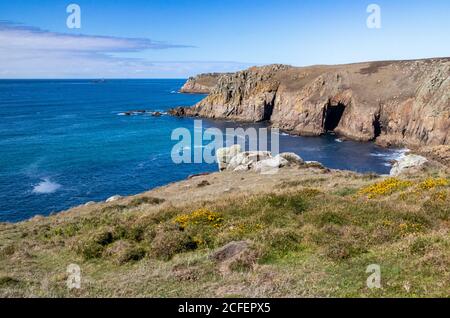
point(123, 252)
point(171, 241)
point(7, 281)
point(145, 200)
point(344, 249)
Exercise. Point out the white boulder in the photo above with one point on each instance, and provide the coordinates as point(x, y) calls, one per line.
point(224, 155)
point(292, 158)
point(407, 162)
point(246, 160)
point(271, 165)
point(113, 198)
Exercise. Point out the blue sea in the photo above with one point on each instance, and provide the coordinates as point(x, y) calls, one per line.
point(66, 142)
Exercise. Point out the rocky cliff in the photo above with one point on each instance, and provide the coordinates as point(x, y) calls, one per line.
point(392, 102)
point(201, 84)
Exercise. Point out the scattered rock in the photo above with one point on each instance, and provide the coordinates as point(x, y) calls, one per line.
point(314, 164)
point(156, 114)
point(241, 168)
point(270, 165)
point(406, 163)
point(178, 111)
point(113, 198)
point(229, 251)
point(292, 158)
point(246, 160)
point(235, 256)
point(232, 159)
point(199, 175)
point(204, 183)
point(224, 155)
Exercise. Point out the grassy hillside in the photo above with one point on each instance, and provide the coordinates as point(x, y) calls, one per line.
point(311, 232)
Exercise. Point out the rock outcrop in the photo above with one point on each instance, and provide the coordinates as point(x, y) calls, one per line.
point(407, 163)
point(393, 102)
point(232, 159)
point(225, 155)
point(229, 251)
point(440, 153)
point(201, 84)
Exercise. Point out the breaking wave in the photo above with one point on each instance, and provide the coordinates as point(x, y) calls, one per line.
point(46, 186)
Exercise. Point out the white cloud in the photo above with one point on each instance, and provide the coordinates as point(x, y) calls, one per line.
point(27, 52)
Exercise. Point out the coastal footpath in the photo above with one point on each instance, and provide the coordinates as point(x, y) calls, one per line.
point(394, 103)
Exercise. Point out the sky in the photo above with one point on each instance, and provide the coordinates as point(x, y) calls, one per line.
point(182, 38)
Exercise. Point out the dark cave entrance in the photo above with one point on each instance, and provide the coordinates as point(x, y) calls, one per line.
point(376, 127)
point(268, 109)
point(332, 116)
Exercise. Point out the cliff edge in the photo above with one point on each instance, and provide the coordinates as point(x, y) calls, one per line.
point(391, 102)
point(201, 84)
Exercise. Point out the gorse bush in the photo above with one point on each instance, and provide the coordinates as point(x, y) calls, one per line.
point(431, 183)
point(199, 217)
point(385, 187)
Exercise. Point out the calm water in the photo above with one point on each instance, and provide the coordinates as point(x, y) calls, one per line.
point(64, 143)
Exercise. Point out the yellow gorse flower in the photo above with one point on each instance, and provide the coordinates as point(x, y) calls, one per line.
point(200, 216)
point(431, 183)
point(385, 187)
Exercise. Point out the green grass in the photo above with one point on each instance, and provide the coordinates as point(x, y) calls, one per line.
point(303, 242)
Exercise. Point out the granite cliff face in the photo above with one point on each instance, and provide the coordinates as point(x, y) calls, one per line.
point(201, 84)
point(393, 102)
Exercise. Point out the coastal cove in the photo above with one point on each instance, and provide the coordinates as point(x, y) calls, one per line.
point(68, 142)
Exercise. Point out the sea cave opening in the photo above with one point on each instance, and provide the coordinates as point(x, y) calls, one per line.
point(332, 116)
point(377, 127)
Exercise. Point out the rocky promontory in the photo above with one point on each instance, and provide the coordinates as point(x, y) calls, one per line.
point(390, 102)
point(201, 84)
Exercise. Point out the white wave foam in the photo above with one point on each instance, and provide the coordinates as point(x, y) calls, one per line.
point(338, 140)
point(395, 155)
point(46, 187)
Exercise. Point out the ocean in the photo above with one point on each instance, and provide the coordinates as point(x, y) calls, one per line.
point(67, 142)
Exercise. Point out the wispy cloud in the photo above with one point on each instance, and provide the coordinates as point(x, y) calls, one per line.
point(29, 52)
point(20, 37)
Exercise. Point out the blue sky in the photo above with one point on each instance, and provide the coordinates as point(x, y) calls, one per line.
point(179, 38)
